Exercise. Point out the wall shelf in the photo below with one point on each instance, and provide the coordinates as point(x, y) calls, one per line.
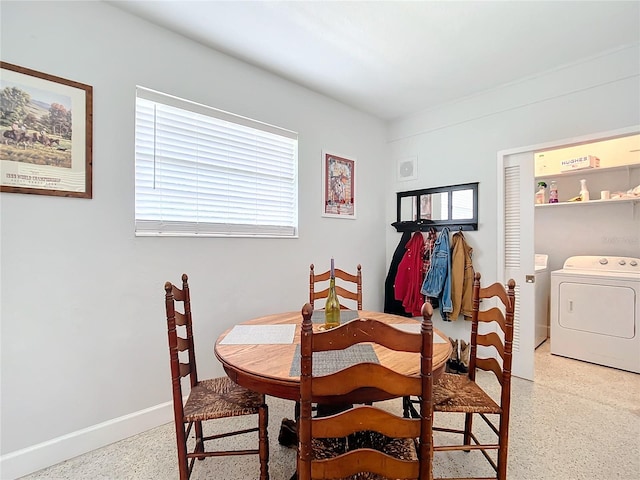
point(590, 202)
point(586, 171)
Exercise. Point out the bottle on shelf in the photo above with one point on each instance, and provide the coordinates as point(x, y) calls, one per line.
point(584, 193)
point(332, 307)
point(553, 192)
point(541, 193)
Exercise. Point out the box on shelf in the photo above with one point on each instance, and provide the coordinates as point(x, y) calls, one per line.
point(579, 163)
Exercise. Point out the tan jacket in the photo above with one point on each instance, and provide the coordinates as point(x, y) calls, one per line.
point(461, 277)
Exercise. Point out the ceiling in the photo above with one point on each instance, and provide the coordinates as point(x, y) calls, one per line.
point(394, 58)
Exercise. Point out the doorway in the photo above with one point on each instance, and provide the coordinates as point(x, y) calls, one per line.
point(517, 233)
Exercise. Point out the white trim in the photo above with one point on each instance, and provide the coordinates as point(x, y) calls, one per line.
point(36, 457)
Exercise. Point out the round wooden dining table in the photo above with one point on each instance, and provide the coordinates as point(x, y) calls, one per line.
point(267, 367)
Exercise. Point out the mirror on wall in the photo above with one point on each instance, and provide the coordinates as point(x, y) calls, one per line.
point(453, 205)
point(463, 202)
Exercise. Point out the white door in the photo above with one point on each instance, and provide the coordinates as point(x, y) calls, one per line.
point(516, 251)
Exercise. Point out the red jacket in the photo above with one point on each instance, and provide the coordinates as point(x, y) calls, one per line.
point(410, 276)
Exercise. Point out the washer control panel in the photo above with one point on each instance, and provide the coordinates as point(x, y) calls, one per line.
point(603, 264)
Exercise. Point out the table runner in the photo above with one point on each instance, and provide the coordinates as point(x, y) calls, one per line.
point(325, 363)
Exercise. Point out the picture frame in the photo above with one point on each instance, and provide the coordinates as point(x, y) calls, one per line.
point(338, 186)
point(47, 134)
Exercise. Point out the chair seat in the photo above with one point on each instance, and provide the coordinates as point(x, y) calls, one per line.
point(219, 398)
point(457, 393)
point(401, 448)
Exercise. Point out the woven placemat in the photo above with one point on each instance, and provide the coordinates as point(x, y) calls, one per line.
point(260, 334)
point(332, 361)
point(345, 316)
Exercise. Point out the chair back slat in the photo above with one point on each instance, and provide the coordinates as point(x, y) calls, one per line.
point(181, 319)
point(340, 292)
point(363, 375)
point(356, 421)
point(493, 314)
point(362, 330)
point(368, 418)
point(496, 290)
point(490, 365)
point(185, 369)
point(343, 288)
point(178, 295)
point(492, 339)
point(183, 344)
point(364, 460)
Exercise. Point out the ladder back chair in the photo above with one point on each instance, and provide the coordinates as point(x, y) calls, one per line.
point(365, 442)
point(210, 399)
point(461, 393)
point(343, 288)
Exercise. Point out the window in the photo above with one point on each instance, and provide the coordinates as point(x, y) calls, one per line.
point(202, 171)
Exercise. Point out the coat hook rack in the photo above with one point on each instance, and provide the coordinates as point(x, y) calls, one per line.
point(426, 225)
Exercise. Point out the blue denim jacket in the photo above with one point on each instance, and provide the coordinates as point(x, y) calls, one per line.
point(437, 283)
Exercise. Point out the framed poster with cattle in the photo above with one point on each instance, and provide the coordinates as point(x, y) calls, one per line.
point(46, 123)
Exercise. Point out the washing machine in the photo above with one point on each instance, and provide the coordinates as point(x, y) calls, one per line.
point(595, 311)
point(541, 292)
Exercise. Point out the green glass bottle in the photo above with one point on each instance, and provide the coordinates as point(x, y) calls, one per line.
point(332, 307)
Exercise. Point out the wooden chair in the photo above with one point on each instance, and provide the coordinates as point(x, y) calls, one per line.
point(365, 442)
point(343, 279)
point(344, 290)
point(461, 393)
point(210, 399)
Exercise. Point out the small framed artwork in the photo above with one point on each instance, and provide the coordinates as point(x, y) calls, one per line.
point(47, 134)
point(338, 186)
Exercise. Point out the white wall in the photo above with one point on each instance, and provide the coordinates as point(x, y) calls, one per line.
point(457, 143)
point(83, 326)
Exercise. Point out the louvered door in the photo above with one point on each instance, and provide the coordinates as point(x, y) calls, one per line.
point(517, 253)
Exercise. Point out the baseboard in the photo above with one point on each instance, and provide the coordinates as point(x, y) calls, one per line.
point(36, 457)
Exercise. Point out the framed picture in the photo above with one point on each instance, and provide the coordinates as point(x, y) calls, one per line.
point(47, 133)
point(338, 186)
point(426, 209)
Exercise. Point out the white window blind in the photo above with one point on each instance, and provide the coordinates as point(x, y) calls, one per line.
point(203, 171)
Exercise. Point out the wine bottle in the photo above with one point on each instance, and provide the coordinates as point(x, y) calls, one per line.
point(332, 307)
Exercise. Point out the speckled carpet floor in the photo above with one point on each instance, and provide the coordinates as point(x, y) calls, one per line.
point(576, 421)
